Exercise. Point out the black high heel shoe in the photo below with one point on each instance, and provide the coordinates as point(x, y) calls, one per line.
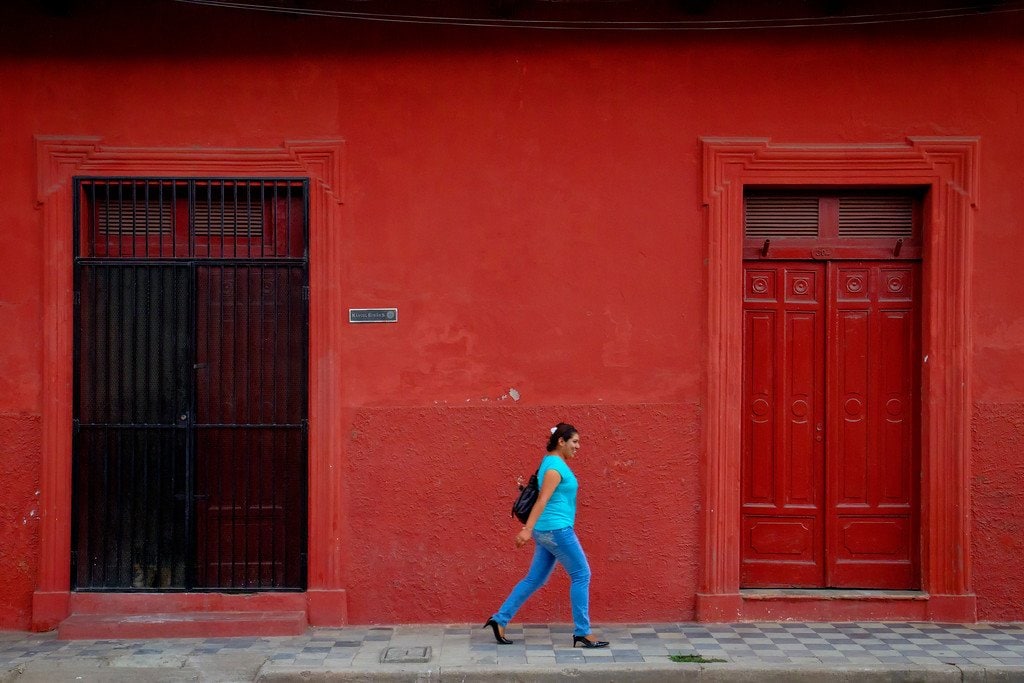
point(591, 644)
point(502, 640)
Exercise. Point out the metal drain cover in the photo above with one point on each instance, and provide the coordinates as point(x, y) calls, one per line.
point(406, 655)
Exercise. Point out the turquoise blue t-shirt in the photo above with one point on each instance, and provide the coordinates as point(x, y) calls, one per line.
point(560, 511)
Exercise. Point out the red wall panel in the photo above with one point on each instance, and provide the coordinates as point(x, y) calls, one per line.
point(998, 498)
point(19, 517)
point(530, 201)
point(432, 488)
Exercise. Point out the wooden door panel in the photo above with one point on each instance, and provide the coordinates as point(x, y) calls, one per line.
point(783, 412)
point(893, 413)
point(759, 456)
point(872, 459)
point(802, 379)
point(849, 408)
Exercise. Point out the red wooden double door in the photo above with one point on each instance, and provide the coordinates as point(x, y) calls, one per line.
point(830, 465)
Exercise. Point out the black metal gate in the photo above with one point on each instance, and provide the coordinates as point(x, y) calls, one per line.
point(190, 430)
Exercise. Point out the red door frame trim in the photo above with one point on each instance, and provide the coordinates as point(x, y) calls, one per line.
point(948, 168)
point(58, 159)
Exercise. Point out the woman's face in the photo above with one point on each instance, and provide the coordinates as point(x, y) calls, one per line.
point(567, 449)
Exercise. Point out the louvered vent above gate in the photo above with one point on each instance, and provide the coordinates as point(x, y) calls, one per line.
point(132, 216)
point(780, 215)
point(231, 220)
point(876, 216)
point(227, 218)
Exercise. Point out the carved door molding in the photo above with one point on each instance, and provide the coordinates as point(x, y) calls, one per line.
point(58, 160)
point(947, 169)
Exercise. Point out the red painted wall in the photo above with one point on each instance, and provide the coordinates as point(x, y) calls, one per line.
point(530, 201)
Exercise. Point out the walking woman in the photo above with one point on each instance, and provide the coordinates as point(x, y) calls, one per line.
point(550, 526)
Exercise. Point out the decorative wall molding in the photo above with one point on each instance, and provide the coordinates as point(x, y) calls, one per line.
point(59, 159)
point(947, 167)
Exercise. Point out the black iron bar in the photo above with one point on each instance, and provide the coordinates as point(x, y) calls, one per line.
point(236, 410)
point(286, 364)
point(103, 552)
point(288, 220)
point(156, 206)
point(304, 397)
point(204, 456)
point(112, 345)
point(275, 358)
point(130, 410)
point(168, 193)
point(187, 362)
point(243, 412)
point(263, 219)
point(106, 226)
point(134, 222)
point(248, 219)
point(262, 357)
point(275, 222)
point(155, 508)
point(191, 204)
point(214, 294)
point(162, 306)
point(226, 243)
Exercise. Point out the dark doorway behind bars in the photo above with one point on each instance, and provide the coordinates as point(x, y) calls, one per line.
point(190, 409)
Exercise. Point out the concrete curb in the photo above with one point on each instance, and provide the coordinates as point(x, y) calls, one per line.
point(103, 672)
point(134, 669)
point(92, 672)
point(639, 673)
point(974, 673)
point(8, 675)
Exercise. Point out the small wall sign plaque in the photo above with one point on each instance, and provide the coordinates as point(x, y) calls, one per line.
point(373, 315)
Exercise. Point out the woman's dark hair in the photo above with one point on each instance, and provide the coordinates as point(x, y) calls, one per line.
point(562, 431)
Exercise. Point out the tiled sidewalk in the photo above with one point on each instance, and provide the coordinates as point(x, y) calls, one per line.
point(777, 644)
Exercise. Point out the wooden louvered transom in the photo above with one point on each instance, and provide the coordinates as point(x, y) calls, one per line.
point(228, 220)
point(835, 225)
point(191, 217)
point(770, 215)
point(876, 216)
point(131, 216)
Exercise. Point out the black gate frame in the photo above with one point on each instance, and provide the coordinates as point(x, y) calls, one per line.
point(192, 263)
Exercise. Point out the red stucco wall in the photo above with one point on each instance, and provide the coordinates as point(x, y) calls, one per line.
point(459, 562)
point(530, 201)
point(19, 517)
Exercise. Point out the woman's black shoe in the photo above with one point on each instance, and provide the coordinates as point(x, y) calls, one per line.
point(502, 640)
point(582, 640)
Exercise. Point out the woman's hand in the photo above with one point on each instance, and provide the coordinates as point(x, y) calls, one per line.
point(523, 537)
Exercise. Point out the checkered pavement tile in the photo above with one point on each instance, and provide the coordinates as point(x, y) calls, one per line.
point(781, 643)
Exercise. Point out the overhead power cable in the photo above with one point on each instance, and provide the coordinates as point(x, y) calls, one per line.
point(625, 25)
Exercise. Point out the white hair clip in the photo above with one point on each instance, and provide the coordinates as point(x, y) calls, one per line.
point(553, 429)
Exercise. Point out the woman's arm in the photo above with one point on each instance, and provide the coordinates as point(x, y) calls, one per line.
point(551, 481)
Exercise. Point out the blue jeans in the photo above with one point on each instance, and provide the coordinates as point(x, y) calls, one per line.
point(561, 545)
